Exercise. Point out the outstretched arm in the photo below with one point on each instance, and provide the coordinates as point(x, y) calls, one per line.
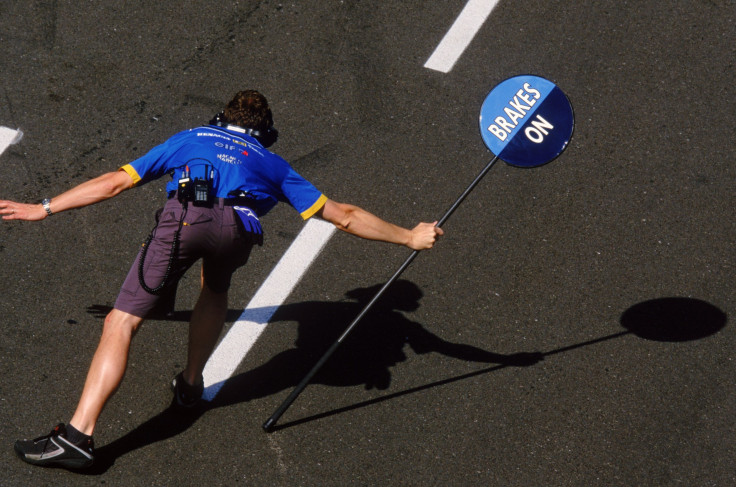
point(357, 221)
point(87, 193)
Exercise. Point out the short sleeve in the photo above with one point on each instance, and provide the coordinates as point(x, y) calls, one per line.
point(302, 194)
point(155, 163)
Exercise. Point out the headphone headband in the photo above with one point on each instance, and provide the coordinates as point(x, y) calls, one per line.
point(266, 139)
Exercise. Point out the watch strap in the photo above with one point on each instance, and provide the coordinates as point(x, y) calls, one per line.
point(46, 203)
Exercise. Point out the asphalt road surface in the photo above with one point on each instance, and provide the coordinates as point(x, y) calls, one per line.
point(573, 328)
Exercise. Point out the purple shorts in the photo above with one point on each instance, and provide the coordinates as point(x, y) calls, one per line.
point(214, 235)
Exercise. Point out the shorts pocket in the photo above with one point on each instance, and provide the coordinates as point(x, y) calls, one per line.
point(196, 216)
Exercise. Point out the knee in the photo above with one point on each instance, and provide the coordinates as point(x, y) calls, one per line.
point(208, 293)
point(121, 322)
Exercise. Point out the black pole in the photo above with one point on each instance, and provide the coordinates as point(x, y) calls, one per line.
point(269, 424)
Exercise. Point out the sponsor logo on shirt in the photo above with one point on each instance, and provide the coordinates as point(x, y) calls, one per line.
point(230, 147)
point(228, 159)
point(213, 134)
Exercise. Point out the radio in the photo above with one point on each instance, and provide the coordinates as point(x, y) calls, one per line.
point(197, 191)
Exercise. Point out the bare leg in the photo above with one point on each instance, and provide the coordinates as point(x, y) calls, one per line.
point(107, 368)
point(205, 327)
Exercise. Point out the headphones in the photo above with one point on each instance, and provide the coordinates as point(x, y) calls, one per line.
point(266, 139)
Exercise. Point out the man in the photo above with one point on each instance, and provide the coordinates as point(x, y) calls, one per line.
point(224, 178)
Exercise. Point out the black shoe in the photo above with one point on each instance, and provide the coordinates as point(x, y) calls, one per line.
point(55, 450)
point(186, 395)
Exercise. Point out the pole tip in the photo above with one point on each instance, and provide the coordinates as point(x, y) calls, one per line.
point(268, 425)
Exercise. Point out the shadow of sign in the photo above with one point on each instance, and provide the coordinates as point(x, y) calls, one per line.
point(673, 319)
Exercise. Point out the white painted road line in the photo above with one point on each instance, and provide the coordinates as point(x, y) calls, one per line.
point(462, 32)
point(9, 137)
point(273, 292)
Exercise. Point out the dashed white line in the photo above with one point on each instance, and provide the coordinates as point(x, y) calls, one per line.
point(233, 348)
point(9, 137)
point(462, 32)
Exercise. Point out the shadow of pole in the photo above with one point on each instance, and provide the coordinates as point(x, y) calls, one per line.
point(438, 383)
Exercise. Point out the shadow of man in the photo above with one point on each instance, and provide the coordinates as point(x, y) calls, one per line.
point(364, 358)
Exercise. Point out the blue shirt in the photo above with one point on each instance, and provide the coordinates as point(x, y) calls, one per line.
point(238, 164)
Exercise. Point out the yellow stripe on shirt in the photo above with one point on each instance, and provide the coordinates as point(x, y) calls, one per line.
point(309, 212)
point(132, 173)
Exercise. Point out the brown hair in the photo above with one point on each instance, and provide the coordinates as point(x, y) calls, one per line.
point(249, 109)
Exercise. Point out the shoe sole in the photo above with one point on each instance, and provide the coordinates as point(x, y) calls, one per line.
point(69, 463)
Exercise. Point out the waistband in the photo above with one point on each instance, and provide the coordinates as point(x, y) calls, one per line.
point(221, 202)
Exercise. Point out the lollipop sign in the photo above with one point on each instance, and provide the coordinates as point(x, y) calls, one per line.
point(526, 121)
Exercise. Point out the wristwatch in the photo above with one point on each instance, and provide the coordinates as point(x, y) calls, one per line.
point(46, 203)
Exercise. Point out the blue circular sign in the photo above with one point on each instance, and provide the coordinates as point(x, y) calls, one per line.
point(526, 121)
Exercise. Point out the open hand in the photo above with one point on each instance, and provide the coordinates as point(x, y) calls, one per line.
point(10, 210)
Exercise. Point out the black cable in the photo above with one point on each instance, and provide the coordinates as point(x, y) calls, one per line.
point(174, 251)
